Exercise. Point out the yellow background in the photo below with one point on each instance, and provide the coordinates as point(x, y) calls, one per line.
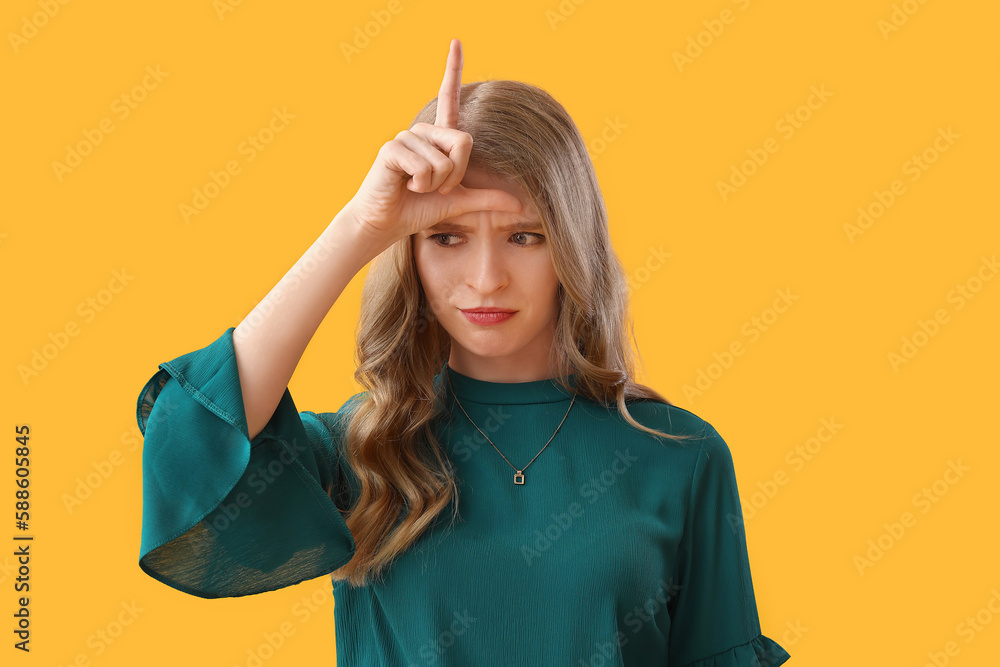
point(680, 131)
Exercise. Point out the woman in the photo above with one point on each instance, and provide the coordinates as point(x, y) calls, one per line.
point(592, 522)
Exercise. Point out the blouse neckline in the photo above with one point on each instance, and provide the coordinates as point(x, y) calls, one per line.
point(507, 393)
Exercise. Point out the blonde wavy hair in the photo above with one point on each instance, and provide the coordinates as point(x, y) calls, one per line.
point(523, 134)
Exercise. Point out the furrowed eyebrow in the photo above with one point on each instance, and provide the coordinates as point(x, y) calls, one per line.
point(456, 227)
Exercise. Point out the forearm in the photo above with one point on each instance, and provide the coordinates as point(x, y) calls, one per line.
point(272, 338)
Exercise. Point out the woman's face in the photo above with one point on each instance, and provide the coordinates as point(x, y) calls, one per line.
point(492, 259)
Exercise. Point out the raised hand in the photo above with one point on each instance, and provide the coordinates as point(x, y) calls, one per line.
point(415, 181)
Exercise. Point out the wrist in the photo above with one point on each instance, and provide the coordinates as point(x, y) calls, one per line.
point(346, 225)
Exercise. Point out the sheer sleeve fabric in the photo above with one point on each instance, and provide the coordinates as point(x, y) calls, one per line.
point(714, 621)
point(224, 516)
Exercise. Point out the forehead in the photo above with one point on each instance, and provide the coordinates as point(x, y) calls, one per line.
point(470, 222)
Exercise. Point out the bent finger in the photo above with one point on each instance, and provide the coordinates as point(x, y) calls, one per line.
point(440, 162)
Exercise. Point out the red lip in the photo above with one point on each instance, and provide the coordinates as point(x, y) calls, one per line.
point(488, 316)
point(488, 310)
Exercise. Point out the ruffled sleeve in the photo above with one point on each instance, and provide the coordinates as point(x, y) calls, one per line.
point(224, 516)
point(714, 620)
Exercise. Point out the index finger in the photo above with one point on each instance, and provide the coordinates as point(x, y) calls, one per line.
point(451, 87)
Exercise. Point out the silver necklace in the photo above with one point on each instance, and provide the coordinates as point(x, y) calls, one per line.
point(518, 474)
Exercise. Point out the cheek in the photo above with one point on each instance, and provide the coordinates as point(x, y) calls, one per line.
point(544, 276)
point(552, 286)
point(540, 287)
point(434, 281)
point(424, 270)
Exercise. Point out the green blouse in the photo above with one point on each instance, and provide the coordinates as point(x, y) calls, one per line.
point(618, 548)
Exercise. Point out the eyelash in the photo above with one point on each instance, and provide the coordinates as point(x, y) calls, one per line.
point(433, 237)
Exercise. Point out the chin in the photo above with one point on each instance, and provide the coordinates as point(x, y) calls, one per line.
point(489, 345)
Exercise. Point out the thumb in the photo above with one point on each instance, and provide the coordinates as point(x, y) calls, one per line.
point(465, 200)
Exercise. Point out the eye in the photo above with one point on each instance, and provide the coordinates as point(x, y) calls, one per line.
point(538, 236)
point(433, 237)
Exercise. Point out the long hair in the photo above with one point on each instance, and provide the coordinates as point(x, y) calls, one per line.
point(523, 134)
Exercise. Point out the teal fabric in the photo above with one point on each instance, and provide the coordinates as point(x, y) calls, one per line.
point(618, 549)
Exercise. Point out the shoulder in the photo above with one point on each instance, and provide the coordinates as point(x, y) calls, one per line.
point(698, 442)
point(671, 419)
point(700, 468)
point(335, 422)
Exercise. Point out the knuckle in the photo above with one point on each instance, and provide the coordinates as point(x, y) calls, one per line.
point(443, 163)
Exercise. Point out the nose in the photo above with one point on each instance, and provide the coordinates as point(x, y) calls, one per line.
point(488, 269)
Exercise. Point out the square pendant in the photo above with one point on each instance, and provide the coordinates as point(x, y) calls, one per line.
point(518, 477)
